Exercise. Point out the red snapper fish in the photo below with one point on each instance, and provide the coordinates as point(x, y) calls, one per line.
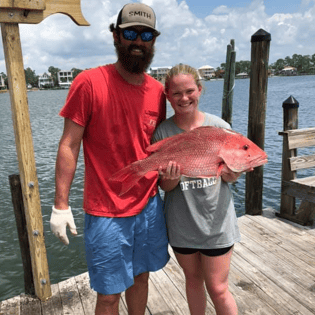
point(202, 152)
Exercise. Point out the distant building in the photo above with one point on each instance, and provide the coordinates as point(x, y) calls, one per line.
point(2, 84)
point(288, 70)
point(65, 79)
point(242, 75)
point(45, 80)
point(206, 72)
point(159, 72)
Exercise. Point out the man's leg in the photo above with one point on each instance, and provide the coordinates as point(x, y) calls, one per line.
point(150, 253)
point(107, 304)
point(137, 295)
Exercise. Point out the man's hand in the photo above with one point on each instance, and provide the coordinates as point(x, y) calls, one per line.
point(59, 221)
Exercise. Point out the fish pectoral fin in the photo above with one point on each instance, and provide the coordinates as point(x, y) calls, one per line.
point(229, 159)
point(219, 171)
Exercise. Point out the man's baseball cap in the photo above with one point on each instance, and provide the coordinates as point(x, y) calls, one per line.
point(136, 14)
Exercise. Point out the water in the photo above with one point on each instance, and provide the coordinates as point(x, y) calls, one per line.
point(65, 262)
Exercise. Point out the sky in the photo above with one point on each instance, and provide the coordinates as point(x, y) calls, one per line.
point(194, 32)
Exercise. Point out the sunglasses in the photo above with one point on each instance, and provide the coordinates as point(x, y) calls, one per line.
point(131, 34)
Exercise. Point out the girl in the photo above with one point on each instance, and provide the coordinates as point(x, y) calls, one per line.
point(200, 214)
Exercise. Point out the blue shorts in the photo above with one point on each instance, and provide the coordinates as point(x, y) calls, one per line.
point(118, 249)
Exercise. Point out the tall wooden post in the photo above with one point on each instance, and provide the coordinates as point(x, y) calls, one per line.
point(256, 116)
point(229, 79)
point(13, 12)
point(26, 158)
point(290, 122)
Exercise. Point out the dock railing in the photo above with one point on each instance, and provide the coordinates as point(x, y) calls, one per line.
point(292, 187)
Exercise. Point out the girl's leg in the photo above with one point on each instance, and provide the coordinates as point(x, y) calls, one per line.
point(216, 271)
point(195, 291)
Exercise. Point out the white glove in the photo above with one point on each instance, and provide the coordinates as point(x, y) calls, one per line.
point(59, 221)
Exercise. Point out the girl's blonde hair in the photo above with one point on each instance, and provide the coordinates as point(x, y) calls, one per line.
point(182, 69)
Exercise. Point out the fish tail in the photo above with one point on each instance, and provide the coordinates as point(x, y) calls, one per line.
point(123, 180)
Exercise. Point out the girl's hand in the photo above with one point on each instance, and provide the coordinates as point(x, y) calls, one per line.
point(172, 171)
point(169, 178)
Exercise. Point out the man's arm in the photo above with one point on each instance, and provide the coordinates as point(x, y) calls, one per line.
point(67, 157)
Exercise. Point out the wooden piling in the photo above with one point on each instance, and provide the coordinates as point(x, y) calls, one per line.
point(19, 212)
point(256, 116)
point(229, 81)
point(290, 122)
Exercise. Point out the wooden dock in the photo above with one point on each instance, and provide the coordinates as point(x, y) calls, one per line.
point(272, 272)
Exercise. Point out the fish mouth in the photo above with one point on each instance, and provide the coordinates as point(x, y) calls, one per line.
point(259, 161)
point(251, 164)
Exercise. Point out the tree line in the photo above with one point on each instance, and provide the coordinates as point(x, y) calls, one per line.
point(303, 64)
point(32, 78)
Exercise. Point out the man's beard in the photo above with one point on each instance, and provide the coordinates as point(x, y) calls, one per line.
point(131, 63)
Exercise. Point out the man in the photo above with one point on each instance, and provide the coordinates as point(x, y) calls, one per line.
point(115, 109)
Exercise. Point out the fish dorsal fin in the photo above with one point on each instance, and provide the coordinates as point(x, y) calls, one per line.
point(176, 140)
point(156, 146)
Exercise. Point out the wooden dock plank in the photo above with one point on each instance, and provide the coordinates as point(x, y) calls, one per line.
point(30, 305)
point(297, 236)
point(122, 305)
point(156, 302)
point(176, 275)
point(174, 299)
point(10, 306)
point(272, 273)
point(70, 298)
point(53, 306)
point(274, 244)
point(274, 296)
point(247, 295)
point(87, 296)
point(277, 273)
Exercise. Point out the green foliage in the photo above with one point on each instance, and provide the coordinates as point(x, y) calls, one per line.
point(76, 72)
point(54, 74)
point(242, 67)
point(30, 77)
point(304, 64)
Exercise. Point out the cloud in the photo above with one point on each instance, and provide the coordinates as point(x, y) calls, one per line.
point(185, 38)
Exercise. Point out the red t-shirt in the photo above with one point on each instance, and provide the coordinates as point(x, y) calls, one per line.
point(119, 120)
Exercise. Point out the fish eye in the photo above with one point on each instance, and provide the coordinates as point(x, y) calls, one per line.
point(246, 147)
